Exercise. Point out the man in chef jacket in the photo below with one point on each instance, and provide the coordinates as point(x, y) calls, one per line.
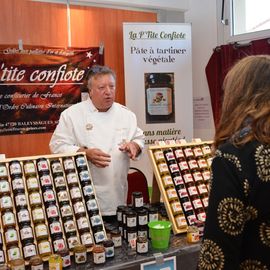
point(107, 132)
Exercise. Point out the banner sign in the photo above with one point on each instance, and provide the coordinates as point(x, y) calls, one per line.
point(158, 80)
point(38, 83)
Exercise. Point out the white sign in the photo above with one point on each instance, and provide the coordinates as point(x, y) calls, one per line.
point(158, 81)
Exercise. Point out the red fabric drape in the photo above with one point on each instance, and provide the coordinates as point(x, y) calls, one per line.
point(221, 61)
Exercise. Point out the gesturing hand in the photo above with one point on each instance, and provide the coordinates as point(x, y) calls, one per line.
point(98, 157)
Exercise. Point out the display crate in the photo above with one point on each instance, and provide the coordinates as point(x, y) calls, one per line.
point(47, 203)
point(181, 177)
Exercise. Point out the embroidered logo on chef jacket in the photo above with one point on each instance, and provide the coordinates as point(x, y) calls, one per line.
point(89, 126)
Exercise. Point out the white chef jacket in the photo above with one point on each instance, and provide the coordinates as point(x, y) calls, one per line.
point(82, 125)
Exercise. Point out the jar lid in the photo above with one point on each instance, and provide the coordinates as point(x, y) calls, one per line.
point(98, 249)
point(79, 248)
point(35, 260)
point(108, 243)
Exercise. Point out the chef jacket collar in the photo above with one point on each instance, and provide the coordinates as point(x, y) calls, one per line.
point(93, 108)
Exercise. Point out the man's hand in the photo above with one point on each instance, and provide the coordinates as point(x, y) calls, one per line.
point(97, 157)
point(131, 148)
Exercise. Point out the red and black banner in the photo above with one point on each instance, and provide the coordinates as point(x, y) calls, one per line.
point(38, 83)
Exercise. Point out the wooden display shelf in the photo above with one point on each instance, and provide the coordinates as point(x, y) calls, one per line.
point(158, 189)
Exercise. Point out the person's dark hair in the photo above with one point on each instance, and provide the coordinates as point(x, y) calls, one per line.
point(246, 102)
point(98, 70)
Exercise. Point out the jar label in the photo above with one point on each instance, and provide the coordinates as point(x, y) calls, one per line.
point(17, 183)
point(4, 186)
point(69, 164)
point(192, 191)
point(99, 257)
point(42, 165)
point(109, 252)
point(143, 219)
point(197, 176)
point(117, 240)
point(99, 236)
point(13, 253)
point(80, 257)
point(131, 221)
point(188, 178)
point(142, 247)
point(183, 165)
point(29, 251)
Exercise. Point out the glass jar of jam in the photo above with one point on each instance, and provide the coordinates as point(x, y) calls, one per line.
point(131, 234)
point(99, 256)
point(65, 255)
point(131, 219)
point(11, 236)
point(17, 184)
point(142, 216)
point(6, 202)
point(142, 245)
point(32, 183)
point(26, 233)
point(29, 167)
point(109, 248)
point(44, 248)
point(49, 196)
point(13, 253)
point(142, 231)
point(88, 190)
point(99, 234)
point(55, 262)
point(20, 200)
point(119, 212)
point(66, 210)
point(23, 216)
point(41, 231)
point(35, 199)
point(17, 264)
point(137, 199)
point(45, 181)
point(29, 249)
point(152, 213)
point(72, 240)
point(116, 238)
point(59, 181)
point(42, 166)
point(38, 214)
point(36, 263)
point(159, 156)
point(3, 171)
point(188, 152)
point(58, 243)
point(180, 221)
point(15, 168)
point(4, 187)
point(56, 166)
point(176, 207)
point(55, 228)
point(8, 218)
point(69, 226)
point(68, 164)
point(80, 161)
point(83, 223)
point(2, 258)
point(75, 194)
point(169, 155)
point(193, 234)
point(84, 175)
point(87, 239)
point(80, 254)
point(72, 178)
point(52, 212)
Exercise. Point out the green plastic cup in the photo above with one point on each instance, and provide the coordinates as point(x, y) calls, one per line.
point(160, 232)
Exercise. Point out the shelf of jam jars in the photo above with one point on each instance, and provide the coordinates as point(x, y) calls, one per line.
point(47, 203)
point(182, 175)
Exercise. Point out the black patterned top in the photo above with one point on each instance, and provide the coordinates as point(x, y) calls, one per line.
point(237, 229)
